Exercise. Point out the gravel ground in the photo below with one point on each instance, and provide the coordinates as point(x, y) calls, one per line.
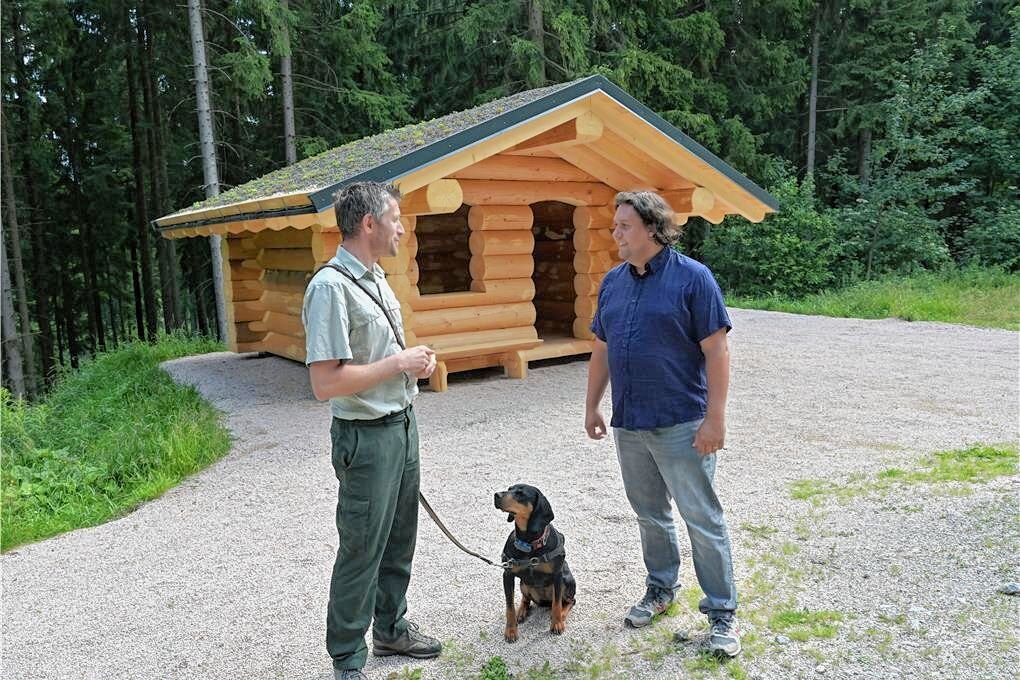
point(225, 576)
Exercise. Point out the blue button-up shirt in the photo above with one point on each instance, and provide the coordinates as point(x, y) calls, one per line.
point(653, 324)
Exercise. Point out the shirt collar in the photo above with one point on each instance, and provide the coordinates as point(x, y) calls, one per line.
point(355, 266)
point(653, 265)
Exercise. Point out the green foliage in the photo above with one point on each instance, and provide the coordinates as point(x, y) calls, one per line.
point(114, 434)
point(495, 669)
point(994, 239)
point(975, 297)
point(790, 253)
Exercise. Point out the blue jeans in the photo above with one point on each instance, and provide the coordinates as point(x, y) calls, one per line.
point(662, 464)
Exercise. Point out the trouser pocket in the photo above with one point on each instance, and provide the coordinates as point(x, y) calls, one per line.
point(352, 524)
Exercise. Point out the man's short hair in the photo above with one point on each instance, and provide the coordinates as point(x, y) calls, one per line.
point(654, 212)
point(356, 200)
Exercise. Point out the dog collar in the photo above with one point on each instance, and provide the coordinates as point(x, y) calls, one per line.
point(537, 544)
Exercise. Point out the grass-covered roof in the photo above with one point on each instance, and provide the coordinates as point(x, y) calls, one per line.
point(355, 158)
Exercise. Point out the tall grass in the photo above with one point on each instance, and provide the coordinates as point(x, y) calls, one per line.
point(976, 297)
point(113, 434)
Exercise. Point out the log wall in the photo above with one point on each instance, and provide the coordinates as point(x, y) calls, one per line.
point(595, 255)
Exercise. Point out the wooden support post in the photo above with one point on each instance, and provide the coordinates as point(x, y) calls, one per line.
point(515, 365)
point(438, 380)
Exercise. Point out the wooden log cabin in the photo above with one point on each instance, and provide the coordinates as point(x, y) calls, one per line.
point(508, 209)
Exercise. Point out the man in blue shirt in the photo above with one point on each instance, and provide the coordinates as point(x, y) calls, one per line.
point(660, 340)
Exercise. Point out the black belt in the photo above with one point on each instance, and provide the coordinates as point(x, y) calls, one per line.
point(395, 417)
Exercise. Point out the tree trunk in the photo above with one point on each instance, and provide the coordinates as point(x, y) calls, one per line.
point(86, 241)
point(536, 33)
point(69, 311)
point(10, 340)
point(162, 183)
point(136, 287)
point(813, 97)
point(141, 210)
point(41, 268)
point(152, 155)
point(30, 386)
point(205, 126)
point(289, 135)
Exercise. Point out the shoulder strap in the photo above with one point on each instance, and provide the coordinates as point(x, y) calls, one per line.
point(347, 274)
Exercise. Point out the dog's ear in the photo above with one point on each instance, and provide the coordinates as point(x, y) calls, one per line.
point(540, 516)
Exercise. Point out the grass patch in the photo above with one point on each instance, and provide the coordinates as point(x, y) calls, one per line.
point(803, 625)
point(978, 463)
point(110, 436)
point(976, 297)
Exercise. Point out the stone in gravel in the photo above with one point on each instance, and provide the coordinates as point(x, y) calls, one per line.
point(821, 669)
point(682, 635)
point(783, 640)
point(1011, 588)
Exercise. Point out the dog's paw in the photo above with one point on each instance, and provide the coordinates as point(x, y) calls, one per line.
point(510, 635)
point(558, 627)
point(523, 613)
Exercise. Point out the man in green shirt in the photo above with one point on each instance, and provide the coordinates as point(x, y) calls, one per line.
point(356, 359)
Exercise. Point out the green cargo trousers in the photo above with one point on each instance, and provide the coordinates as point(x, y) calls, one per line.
point(376, 463)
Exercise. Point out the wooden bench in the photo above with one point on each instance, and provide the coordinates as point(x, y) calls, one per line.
point(480, 355)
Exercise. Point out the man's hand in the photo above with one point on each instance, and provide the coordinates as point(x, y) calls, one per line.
point(595, 424)
point(430, 369)
point(418, 362)
point(710, 436)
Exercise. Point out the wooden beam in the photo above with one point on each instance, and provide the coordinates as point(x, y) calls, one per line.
point(500, 217)
point(696, 201)
point(586, 128)
point(441, 196)
point(582, 328)
point(651, 173)
point(606, 170)
point(594, 240)
point(501, 242)
point(594, 217)
point(482, 293)
point(469, 319)
point(534, 168)
point(449, 341)
point(597, 262)
point(507, 192)
point(493, 267)
point(290, 259)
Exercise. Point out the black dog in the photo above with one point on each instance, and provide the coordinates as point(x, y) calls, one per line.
point(534, 553)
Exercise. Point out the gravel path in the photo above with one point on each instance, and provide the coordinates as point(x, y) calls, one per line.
point(225, 576)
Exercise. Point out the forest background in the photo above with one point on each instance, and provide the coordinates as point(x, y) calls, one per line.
point(889, 130)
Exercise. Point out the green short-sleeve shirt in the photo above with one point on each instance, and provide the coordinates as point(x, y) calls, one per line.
point(343, 324)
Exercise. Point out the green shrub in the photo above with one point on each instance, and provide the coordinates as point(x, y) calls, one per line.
point(789, 253)
point(994, 239)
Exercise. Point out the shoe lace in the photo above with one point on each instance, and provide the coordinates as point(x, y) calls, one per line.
point(415, 634)
point(723, 627)
point(652, 595)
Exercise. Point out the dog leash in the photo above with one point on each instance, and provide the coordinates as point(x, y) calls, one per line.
point(453, 539)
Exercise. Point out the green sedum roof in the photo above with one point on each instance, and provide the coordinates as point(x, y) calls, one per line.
point(355, 158)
